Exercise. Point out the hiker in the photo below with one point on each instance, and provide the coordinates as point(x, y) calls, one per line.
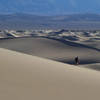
point(76, 60)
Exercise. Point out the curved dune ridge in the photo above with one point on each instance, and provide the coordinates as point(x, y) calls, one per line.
point(53, 49)
point(25, 77)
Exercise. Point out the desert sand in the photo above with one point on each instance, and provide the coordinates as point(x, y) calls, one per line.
point(26, 77)
point(53, 49)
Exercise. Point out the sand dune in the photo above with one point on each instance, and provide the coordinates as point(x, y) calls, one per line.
point(24, 77)
point(53, 49)
point(95, 66)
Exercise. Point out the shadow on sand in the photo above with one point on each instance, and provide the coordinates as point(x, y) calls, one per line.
point(74, 44)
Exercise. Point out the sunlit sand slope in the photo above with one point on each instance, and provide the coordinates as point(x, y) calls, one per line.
point(24, 77)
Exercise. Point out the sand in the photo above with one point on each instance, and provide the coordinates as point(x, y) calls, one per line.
point(53, 49)
point(25, 77)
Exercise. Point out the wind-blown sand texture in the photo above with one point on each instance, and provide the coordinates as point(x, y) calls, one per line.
point(25, 77)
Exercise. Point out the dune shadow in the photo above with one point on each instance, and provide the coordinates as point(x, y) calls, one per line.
point(94, 67)
point(82, 61)
point(66, 42)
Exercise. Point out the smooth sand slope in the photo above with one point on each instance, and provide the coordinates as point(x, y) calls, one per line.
point(53, 49)
point(24, 77)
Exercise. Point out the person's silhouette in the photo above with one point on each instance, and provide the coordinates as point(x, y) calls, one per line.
point(76, 60)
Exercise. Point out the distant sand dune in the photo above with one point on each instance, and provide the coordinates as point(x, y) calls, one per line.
point(25, 77)
point(53, 49)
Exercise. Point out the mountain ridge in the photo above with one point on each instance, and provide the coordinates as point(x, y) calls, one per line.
point(32, 21)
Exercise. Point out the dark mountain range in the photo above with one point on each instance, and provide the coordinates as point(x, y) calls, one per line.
point(29, 21)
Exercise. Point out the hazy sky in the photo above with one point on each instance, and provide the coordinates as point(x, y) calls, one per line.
point(50, 6)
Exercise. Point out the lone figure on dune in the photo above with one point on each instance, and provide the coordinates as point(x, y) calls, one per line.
point(76, 60)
